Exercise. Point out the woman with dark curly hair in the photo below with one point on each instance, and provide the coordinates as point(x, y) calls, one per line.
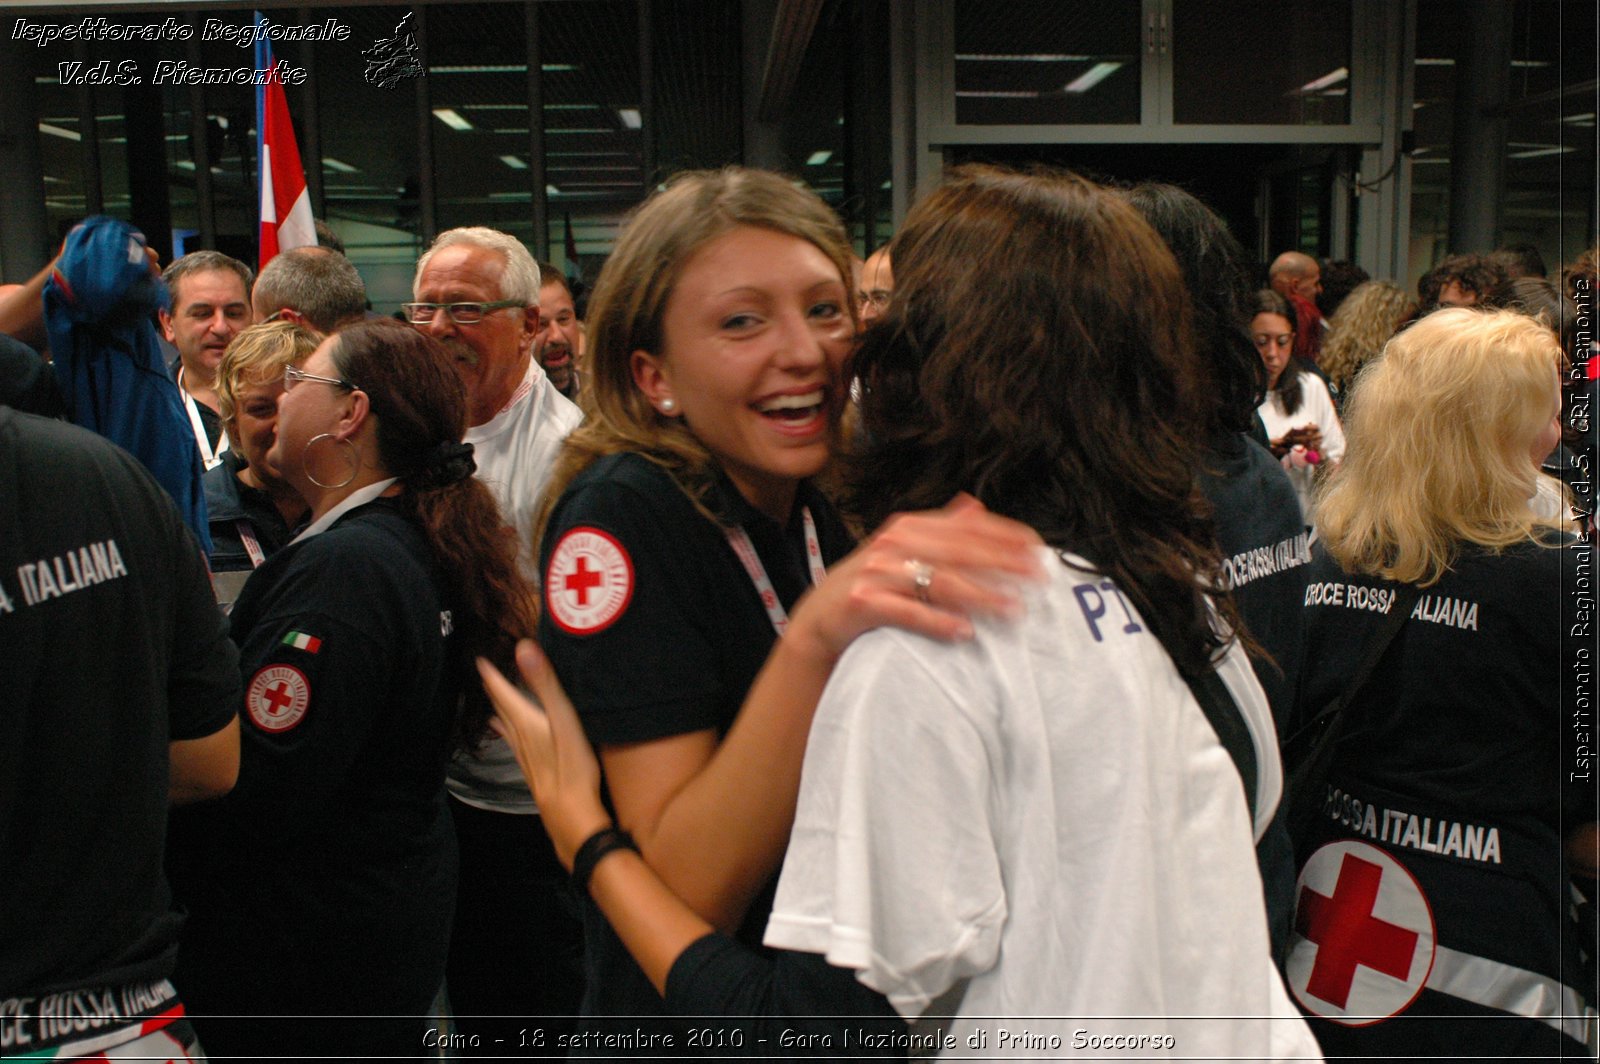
point(1040, 822)
point(323, 885)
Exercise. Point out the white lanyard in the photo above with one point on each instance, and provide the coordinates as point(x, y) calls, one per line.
point(739, 540)
point(252, 546)
point(359, 497)
point(209, 457)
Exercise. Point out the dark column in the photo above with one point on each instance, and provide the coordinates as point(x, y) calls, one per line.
point(205, 202)
point(537, 178)
point(150, 204)
point(24, 234)
point(763, 141)
point(427, 218)
point(1478, 141)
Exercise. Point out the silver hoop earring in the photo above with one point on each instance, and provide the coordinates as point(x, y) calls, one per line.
point(354, 457)
point(668, 406)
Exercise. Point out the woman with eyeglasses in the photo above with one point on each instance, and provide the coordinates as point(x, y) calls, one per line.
point(323, 886)
point(1302, 425)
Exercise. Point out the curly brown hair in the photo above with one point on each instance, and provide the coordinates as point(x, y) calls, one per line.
point(1039, 355)
point(1365, 321)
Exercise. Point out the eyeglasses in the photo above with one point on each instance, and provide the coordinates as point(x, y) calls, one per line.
point(1281, 340)
point(460, 313)
point(292, 377)
point(877, 298)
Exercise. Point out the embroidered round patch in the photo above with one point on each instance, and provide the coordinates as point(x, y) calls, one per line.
point(589, 581)
point(277, 698)
point(1364, 935)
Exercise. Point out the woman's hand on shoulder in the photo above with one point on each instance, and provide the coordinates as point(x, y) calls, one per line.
point(551, 749)
point(926, 572)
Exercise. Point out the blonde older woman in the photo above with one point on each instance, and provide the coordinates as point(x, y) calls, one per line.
point(251, 508)
point(1433, 898)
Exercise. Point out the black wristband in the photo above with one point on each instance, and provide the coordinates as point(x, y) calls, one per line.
point(594, 848)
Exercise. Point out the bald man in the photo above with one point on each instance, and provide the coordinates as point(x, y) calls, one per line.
point(1297, 277)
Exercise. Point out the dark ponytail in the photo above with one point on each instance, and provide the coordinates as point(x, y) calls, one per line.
point(421, 408)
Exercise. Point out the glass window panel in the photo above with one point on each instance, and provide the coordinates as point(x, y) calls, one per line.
point(1030, 62)
point(594, 136)
point(369, 154)
point(478, 79)
point(60, 146)
point(1261, 62)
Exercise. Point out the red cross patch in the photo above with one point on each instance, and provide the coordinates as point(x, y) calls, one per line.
point(589, 581)
point(277, 698)
point(1364, 935)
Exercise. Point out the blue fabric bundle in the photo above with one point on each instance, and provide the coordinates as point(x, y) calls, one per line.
point(98, 305)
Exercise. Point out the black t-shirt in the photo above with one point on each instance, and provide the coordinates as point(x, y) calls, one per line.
point(111, 646)
point(234, 508)
point(1458, 765)
point(324, 884)
point(1265, 551)
point(656, 630)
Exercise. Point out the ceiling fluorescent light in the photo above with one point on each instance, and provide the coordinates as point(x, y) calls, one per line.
point(510, 68)
point(451, 118)
point(513, 162)
point(330, 163)
point(817, 158)
point(631, 118)
point(551, 190)
point(1333, 77)
point(990, 57)
point(57, 131)
point(1536, 152)
point(1092, 77)
point(995, 94)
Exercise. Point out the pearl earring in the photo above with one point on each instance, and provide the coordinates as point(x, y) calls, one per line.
point(668, 406)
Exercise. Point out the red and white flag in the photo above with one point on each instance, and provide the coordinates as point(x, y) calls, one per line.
point(286, 220)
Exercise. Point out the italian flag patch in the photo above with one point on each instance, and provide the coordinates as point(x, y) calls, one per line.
point(301, 641)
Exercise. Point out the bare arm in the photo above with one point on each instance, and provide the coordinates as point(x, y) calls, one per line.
point(554, 755)
point(713, 819)
point(204, 768)
point(22, 310)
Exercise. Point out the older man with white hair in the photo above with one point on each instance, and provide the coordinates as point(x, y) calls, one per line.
point(516, 948)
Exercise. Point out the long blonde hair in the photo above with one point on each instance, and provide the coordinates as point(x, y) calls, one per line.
point(1361, 326)
point(630, 301)
point(1439, 430)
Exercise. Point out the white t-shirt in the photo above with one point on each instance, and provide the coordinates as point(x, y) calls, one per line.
point(1316, 408)
point(515, 451)
point(1038, 834)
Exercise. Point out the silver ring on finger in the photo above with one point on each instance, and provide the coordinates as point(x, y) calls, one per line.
point(921, 579)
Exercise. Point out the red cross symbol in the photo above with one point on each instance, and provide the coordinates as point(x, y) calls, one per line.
point(278, 697)
point(581, 580)
point(1347, 934)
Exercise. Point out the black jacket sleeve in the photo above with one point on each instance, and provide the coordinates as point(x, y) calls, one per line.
point(789, 1000)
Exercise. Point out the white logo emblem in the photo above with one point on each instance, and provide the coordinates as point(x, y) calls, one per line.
point(589, 582)
point(277, 698)
point(1364, 940)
